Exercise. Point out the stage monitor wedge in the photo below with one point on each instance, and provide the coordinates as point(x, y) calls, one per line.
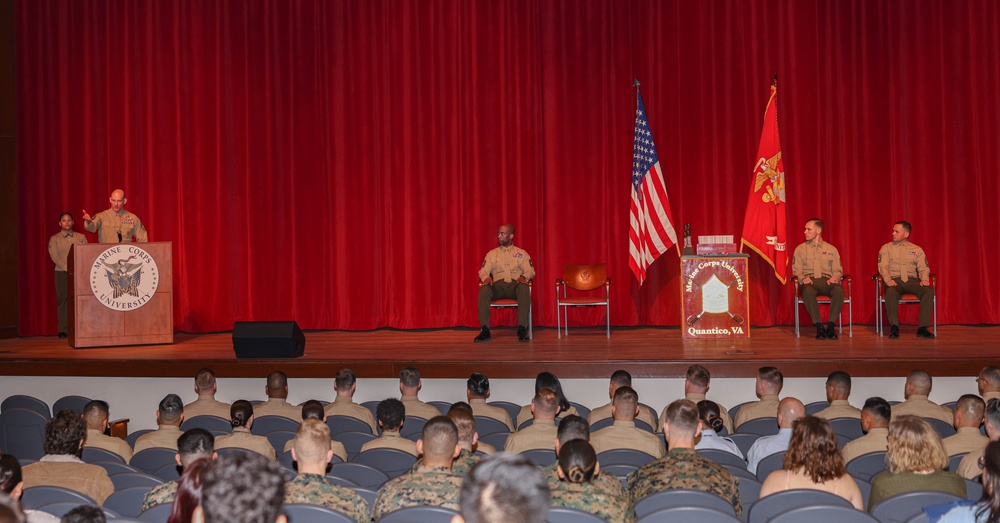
point(268, 339)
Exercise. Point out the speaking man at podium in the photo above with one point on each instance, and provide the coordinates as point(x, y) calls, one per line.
point(115, 225)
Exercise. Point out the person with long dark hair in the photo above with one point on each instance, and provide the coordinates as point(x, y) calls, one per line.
point(12, 484)
point(711, 421)
point(987, 509)
point(188, 492)
point(577, 469)
point(547, 380)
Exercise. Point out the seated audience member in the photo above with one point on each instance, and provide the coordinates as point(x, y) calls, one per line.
point(192, 446)
point(430, 483)
point(60, 467)
point(313, 409)
point(969, 467)
point(277, 399)
point(789, 410)
point(915, 461)
point(12, 485)
point(504, 488)
point(577, 468)
point(571, 428)
point(988, 507)
point(623, 434)
point(989, 383)
point(84, 514)
point(310, 485)
point(390, 414)
point(478, 391)
point(242, 420)
point(169, 416)
point(969, 412)
point(916, 390)
point(242, 488)
point(696, 385)
point(875, 417)
point(479, 446)
point(620, 378)
point(409, 387)
point(468, 438)
point(838, 390)
point(711, 423)
point(345, 384)
point(769, 383)
point(187, 495)
point(547, 380)
point(95, 415)
point(10, 510)
point(813, 461)
point(682, 467)
point(206, 404)
point(541, 433)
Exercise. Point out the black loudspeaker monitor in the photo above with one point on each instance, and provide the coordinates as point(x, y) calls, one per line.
point(268, 339)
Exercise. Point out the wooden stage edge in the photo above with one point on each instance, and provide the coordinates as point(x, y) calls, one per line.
point(646, 352)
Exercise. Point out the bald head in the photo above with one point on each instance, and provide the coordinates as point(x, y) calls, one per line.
point(789, 410)
point(969, 411)
point(919, 383)
point(277, 385)
point(117, 200)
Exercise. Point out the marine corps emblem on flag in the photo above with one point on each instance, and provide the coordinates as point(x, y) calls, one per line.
point(124, 277)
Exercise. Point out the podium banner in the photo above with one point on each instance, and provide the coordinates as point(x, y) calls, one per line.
point(715, 296)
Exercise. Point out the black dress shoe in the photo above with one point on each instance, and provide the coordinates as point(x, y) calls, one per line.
point(484, 335)
point(522, 335)
point(831, 331)
point(820, 331)
point(63, 335)
point(894, 331)
point(924, 332)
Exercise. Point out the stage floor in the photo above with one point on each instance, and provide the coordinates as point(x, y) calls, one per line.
point(585, 353)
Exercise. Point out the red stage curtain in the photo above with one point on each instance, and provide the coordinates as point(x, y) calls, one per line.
point(345, 163)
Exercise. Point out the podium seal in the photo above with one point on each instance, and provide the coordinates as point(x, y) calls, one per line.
point(124, 277)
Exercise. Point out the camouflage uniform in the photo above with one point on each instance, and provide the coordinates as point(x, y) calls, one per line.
point(589, 497)
point(684, 469)
point(160, 494)
point(424, 485)
point(315, 490)
point(607, 483)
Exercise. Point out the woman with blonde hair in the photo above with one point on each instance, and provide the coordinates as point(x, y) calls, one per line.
point(915, 461)
point(813, 461)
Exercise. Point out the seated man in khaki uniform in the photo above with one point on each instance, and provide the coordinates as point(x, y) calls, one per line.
point(390, 414)
point(969, 412)
point(623, 434)
point(409, 387)
point(969, 467)
point(345, 384)
point(838, 389)
point(478, 391)
point(917, 389)
point(769, 383)
point(206, 404)
point(95, 415)
point(542, 432)
point(313, 409)
point(60, 467)
point(242, 420)
point(696, 384)
point(875, 416)
point(169, 416)
point(620, 378)
point(277, 399)
point(989, 383)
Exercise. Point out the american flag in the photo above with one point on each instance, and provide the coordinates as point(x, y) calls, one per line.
point(651, 228)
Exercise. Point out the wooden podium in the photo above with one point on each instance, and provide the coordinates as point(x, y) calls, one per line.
point(715, 296)
point(120, 294)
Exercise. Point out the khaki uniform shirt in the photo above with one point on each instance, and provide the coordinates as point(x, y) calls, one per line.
point(590, 498)
point(988, 395)
point(242, 438)
point(507, 264)
point(424, 485)
point(391, 440)
point(877, 440)
point(604, 411)
point(66, 471)
point(539, 435)
point(59, 245)
point(839, 409)
point(345, 406)
point(920, 406)
point(607, 483)
point(107, 224)
point(723, 413)
point(968, 468)
point(336, 446)
point(313, 489)
point(165, 436)
point(98, 440)
point(767, 407)
point(416, 408)
point(486, 448)
point(526, 414)
point(160, 495)
point(207, 405)
point(903, 260)
point(966, 439)
point(625, 435)
point(816, 259)
point(277, 407)
point(481, 408)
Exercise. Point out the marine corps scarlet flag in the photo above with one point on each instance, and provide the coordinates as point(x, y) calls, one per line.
point(764, 228)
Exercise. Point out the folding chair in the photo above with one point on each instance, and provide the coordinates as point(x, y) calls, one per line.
point(845, 281)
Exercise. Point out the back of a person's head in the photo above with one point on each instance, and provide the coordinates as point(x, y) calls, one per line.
point(464, 422)
point(242, 488)
point(409, 377)
point(991, 374)
point(879, 409)
point(914, 446)
point(204, 380)
point(240, 413)
point(390, 412)
point(463, 406)
point(578, 461)
point(195, 444)
point(84, 514)
point(344, 380)
point(170, 409)
point(625, 401)
point(547, 380)
point(772, 378)
point(991, 478)
point(710, 415)
point(813, 450)
point(840, 381)
point(573, 427)
point(10, 509)
point(188, 494)
point(789, 410)
point(972, 407)
point(478, 385)
point(313, 409)
point(95, 412)
point(682, 418)
point(10, 473)
point(699, 376)
point(992, 414)
point(277, 384)
point(439, 438)
point(505, 488)
point(546, 404)
point(64, 433)
point(921, 382)
point(312, 441)
point(621, 378)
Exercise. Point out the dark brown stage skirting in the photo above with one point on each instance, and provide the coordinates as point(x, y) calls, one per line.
point(586, 353)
